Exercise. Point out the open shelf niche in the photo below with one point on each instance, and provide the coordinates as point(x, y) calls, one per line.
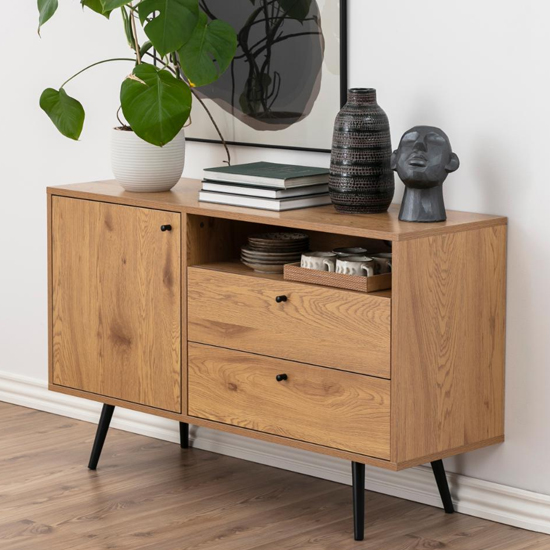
point(215, 243)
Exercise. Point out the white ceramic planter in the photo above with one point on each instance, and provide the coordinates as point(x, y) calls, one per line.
point(144, 168)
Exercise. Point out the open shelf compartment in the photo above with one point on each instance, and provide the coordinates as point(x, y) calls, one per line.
point(215, 243)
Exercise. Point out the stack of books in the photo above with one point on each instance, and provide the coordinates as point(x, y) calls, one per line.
point(266, 185)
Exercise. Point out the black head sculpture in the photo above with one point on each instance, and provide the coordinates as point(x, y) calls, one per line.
point(423, 161)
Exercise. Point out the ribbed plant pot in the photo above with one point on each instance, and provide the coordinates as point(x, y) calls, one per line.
point(361, 178)
point(144, 168)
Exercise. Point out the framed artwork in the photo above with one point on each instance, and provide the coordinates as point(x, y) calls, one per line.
point(288, 79)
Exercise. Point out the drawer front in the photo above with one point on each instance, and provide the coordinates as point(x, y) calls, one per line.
point(326, 407)
point(319, 325)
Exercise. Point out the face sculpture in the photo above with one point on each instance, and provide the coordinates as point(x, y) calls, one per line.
point(424, 157)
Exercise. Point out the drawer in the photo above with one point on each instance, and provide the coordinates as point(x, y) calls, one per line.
point(323, 406)
point(324, 326)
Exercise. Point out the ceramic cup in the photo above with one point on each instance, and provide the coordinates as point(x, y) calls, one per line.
point(356, 265)
point(350, 251)
point(383, 262)
point(321, 261)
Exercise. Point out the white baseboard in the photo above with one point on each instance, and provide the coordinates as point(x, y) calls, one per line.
point(471, 496)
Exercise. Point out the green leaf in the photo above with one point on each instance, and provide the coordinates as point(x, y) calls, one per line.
point(46, 8)
point(97, 6)
point(110, 5)
point(66, 112)
point(296, 9)
point(145, 47)
point(127, 22)
point(209, 51)
point(173, 25)
point(155, 104)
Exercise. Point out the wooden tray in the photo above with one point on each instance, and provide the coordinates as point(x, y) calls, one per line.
point(293, 272)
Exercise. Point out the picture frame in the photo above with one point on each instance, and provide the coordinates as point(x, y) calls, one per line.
point(309, 131)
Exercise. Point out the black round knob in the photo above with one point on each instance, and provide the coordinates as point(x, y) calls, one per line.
point(280, 299)
point(166, 228)
point(281, 377)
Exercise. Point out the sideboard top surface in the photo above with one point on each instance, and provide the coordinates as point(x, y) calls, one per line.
point(184, 198)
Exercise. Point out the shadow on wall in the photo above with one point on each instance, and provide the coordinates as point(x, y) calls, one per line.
point(495, 167)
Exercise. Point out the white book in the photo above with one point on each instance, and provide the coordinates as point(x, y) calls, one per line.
point(279, 205)
point(265, 192)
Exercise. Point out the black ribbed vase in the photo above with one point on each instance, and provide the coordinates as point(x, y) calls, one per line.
point(361, 178)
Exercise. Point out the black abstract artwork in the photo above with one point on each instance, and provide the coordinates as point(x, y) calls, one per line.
point(278, 74)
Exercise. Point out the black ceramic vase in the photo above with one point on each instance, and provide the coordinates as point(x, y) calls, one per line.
point(361, 178)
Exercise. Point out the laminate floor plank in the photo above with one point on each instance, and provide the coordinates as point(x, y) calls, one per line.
point(149, 494)
point(240, 527)
point(183, 506)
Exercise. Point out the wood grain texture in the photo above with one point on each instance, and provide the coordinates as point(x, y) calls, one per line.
point(214, 239)
point(209, 240)
point(238, 268)
point(294, 272)
point(50, 285)
point(324, 326)
point(184, 198)
point(323, 406)
point(448, 342)
point(116, 295)
point(151, 495)
point(105, 399)
point(447, 320)
point(337, 453)
point(295, 443)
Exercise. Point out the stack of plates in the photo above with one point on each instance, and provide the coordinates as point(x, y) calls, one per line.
point(269, 252)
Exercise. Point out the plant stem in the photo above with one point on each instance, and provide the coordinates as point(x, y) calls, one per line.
point(135, 10)
point(177, 66)
point(165, 65)
point(214, 123)
point(94, 65)
point(134, 34)
point(118, 117)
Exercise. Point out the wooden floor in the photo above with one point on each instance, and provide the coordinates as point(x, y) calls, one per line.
point(150, 494)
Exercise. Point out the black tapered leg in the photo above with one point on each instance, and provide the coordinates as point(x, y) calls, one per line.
point(358, 474)
point(443, 486)
point(184, 435)
point(101, 434)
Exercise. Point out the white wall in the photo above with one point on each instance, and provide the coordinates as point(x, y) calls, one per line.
point(480, 70)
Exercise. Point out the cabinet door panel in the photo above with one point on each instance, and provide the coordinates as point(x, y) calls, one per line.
point(116, 298)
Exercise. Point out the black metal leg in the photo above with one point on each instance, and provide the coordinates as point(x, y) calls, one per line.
point(443, 486)
point(184, 435)
point(101, 434)
point(358, 474)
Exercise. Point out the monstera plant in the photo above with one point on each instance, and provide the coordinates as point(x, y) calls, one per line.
point(156, 101)
point(185, 49)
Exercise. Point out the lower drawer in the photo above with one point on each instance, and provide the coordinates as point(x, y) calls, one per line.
point(324, 406)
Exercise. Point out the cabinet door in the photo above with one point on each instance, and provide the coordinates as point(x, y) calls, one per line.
point(116, 319)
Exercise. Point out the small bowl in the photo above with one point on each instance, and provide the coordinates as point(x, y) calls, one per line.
point(319, 254)
point(361, 258)
point(350, 251)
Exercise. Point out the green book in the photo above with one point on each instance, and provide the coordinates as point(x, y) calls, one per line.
point(269, 174)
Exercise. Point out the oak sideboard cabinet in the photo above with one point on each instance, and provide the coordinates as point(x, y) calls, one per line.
point(150, 309)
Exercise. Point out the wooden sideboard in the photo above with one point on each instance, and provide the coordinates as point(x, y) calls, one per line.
point(150, 309)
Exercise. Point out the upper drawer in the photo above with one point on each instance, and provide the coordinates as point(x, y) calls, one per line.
point(324, 326)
